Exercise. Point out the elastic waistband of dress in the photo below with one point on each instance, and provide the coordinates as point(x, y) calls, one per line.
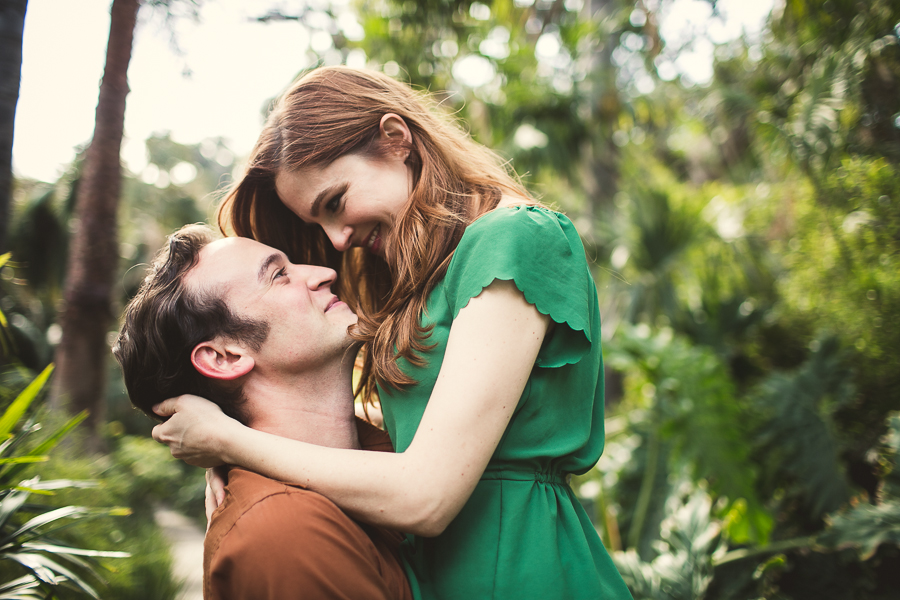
point(556, 477)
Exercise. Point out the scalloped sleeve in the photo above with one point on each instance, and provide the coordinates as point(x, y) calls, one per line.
point(541, 252)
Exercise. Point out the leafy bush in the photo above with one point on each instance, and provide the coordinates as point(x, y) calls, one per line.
point(51, 506)
point(29, 539)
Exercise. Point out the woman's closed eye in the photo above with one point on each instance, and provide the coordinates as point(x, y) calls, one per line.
point(334, 204)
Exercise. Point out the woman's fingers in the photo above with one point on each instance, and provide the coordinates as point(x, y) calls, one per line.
point(157, 433)
point(169, 407)
point(166, 408)
point(193, 429)
point(210, 504)
point(216, 478)
point(215, 491)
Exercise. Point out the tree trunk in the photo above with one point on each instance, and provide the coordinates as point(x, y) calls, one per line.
point(600, 156)
point(81, 357)
point(12, 24)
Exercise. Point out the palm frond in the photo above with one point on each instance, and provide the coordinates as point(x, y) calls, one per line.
point(18, 407)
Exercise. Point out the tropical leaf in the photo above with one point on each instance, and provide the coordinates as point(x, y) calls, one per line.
point(890, 483)
point(54, 484)
point(52, 563)
point(864, 527)
point(11, 503)
point(18, 407)
point(51, 572)
point(10, 473)
point(33, 524)
point(690, 540)
point(693, 408)
point(22, 588)
point(67, 550)
point(867, 526)
point(798, 435)
point(15, 460)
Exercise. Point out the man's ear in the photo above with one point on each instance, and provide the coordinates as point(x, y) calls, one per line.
point(394, 128)
point(220, 360)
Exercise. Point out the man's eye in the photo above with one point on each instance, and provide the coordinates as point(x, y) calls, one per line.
point(280, 272)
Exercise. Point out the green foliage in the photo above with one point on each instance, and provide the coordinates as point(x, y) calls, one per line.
point(658, 233)
point(751, 223)
point(29, 544)
point(689, 541)
point(866, 526)
point(147, 575)
point(797, 437)
point(684, 393)
point(154, 477)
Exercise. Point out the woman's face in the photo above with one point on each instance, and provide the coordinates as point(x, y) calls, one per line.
point(355, 199)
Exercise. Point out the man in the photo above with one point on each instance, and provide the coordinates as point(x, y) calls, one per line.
point(234, 321)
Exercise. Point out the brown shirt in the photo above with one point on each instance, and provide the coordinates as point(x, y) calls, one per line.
point(272, 541)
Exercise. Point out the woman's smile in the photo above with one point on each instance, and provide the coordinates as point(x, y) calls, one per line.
point(373, 244)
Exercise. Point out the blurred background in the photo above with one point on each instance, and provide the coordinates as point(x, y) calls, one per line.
point(733, 168)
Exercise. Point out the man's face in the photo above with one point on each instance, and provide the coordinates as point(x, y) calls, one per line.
point(308, 324)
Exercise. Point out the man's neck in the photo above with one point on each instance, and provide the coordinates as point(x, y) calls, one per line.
point(315, 407)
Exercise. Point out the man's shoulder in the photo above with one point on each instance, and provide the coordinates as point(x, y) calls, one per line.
point(264, 500)
point(269, 539)
point(266, 522)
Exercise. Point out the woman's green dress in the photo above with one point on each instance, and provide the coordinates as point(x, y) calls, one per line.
point(522, 534)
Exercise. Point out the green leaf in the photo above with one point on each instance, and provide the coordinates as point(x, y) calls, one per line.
point(48, 517)
point(54, 439)
point(18, 588)
point(55, 549)
point(51, 571)
point(798, 436)
point(18, 407)
point(23, 459)
point(865, 527)
point(57, 484)
point(47, 444)
point(10, 504)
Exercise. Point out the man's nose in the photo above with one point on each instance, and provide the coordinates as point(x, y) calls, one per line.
point(340, 236)
point(320, 277)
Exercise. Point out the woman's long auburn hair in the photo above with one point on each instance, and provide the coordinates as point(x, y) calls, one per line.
point(334, 111)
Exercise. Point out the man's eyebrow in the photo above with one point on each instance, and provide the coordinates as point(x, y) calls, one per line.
point(264, 267)
point(329, 191)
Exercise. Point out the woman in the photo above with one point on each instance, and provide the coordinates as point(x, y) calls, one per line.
point(481, 332)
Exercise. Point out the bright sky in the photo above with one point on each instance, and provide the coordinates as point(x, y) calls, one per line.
point(236, 65)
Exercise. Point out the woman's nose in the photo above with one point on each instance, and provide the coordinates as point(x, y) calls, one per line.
point(340, 236)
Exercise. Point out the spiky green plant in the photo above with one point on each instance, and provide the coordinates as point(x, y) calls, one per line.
point(27, 530)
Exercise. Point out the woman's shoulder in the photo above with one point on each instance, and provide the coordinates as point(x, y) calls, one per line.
point(540, 251)
point(527, 218)
point(519, 236)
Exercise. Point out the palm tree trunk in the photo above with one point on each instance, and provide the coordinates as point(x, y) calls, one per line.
point(81, 357)
point(12, 24)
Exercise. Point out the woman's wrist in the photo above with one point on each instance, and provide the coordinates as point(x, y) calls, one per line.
point(227, 440)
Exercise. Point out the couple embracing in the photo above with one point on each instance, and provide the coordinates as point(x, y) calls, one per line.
point(367, 220)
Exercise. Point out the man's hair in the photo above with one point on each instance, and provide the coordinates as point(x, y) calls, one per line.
point(164, 322)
